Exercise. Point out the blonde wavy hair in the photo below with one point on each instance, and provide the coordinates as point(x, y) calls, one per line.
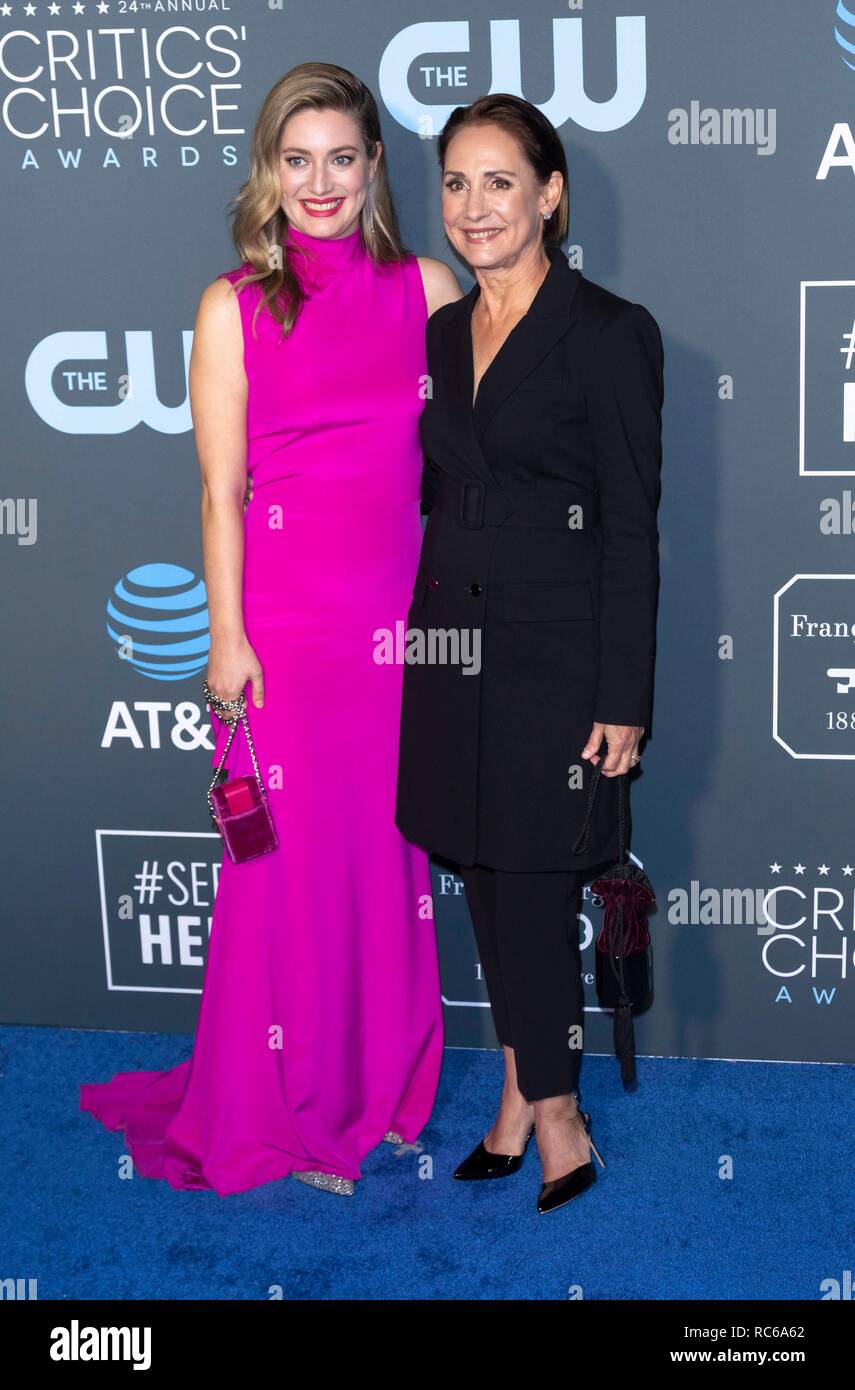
point(259, 224)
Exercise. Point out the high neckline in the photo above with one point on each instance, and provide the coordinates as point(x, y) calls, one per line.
point(328, 251)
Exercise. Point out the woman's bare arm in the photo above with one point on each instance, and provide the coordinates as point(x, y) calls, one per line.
point(218, 397)
point(440, 283)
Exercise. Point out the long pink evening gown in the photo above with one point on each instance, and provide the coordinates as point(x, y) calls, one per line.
point(320, 1023)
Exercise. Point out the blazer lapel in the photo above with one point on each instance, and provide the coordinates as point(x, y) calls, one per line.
point(457, 372)
point(549, 317)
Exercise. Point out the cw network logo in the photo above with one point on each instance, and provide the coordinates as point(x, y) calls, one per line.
point(101, 400)
point(569, 100)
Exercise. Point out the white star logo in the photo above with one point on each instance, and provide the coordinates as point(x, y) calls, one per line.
point(53, 9)
point(29, 9)
point(78, 8)
point(799, 868)
point(823, 869)
point(103, 7)
point(776, 868)
point(5, 9)
point(847, 870)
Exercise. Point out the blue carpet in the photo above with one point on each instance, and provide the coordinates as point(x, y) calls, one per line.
point(659, 1223)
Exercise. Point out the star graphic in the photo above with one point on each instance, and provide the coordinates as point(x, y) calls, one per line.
point(29, 9)
point(847, 870)
point(78, 8)
point(103, 7)
point(54, 8)
point(823, 869)
point(776, 868)
point(799, 868)
point(5, 9)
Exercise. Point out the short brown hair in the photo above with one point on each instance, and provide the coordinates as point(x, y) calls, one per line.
point(536, 136)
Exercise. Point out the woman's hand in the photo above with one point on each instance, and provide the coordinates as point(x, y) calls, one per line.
point(622, 742)
point(229, 669)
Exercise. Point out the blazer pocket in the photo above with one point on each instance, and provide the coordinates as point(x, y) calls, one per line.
point(556, 601)
point(570, 399)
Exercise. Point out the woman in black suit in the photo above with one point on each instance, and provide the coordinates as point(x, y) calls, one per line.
point(542, 443)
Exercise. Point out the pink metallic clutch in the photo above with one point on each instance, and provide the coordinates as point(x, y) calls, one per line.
point(239, 807)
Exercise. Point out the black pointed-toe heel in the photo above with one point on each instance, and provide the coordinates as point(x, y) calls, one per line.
point(560, 1191)
point(482, 1164)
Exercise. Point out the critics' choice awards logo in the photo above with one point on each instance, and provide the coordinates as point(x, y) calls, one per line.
point(813, 691)
point(119, 84)
point(412, 61)
point(157, 899)
point(827, 378)
point(804, 919)
point(809, 930)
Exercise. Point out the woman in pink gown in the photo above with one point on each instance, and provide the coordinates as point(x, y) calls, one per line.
point(320, 1025)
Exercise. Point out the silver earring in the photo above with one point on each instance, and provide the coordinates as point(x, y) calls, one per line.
point(370, 201)
point(546, 216)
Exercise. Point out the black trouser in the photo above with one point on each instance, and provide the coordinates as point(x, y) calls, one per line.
point(527, 933)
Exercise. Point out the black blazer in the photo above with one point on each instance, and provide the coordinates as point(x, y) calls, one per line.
point(542, 537)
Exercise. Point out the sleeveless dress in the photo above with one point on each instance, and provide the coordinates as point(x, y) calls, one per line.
point(320, 1023)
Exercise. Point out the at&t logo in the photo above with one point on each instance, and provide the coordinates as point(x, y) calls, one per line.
point(158, 618)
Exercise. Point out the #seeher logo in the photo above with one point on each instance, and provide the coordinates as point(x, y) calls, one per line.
point(846, 41)
point(158, 618)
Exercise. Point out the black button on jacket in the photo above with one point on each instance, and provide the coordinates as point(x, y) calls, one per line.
point(547, 490)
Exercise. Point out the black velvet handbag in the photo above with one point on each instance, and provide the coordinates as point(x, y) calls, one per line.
point(624, 967)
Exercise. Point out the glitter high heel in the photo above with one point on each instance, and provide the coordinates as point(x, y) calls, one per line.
point(327, 1182)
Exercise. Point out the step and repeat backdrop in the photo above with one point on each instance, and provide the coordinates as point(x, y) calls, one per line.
point(712, 156)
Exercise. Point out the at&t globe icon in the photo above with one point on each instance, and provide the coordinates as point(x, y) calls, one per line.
point(845, 34)
point(158, 618)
